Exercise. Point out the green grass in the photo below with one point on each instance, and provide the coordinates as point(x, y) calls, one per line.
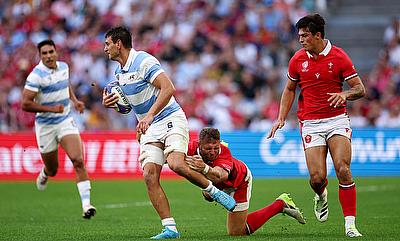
point(124, 212)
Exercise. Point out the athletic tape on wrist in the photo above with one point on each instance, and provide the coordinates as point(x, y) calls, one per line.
point(206, 169)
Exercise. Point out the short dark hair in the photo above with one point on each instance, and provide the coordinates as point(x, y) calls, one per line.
point(209, 134)
point(121, 33)
point(314, 22)
point(45, 42)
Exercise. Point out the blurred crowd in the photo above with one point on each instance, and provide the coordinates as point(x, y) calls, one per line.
point(227, 58)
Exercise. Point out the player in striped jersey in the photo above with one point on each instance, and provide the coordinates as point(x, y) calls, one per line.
point(48, 93)
point(162, 124)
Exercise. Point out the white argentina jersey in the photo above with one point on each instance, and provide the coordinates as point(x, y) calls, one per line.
point(52, 86)
point(135, 79)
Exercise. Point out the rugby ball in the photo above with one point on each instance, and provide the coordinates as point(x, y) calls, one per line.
point(123, 105)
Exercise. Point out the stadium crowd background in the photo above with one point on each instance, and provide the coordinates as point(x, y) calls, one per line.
point(228, 59)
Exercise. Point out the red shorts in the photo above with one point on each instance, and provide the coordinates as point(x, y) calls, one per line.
point(242, 193)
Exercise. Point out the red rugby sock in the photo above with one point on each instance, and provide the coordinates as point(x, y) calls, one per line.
point(257, 218)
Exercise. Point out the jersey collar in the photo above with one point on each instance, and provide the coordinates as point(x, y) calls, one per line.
point(47, 69)
point(324, 52)
point(131, 57)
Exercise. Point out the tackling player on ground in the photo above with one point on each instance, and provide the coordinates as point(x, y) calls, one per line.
point(215, 161)
point(320, 69)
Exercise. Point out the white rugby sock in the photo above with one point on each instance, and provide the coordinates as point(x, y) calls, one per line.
point(84, 191)
point(348, 221)
point(43, 173)
point(323, 194)
point(211, 189)
point(170, 223)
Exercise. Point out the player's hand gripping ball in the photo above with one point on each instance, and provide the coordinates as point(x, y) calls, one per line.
point(122, 106)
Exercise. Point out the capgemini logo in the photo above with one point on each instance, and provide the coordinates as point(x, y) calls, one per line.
point(286, 148)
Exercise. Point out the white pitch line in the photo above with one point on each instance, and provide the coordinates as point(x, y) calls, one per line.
point(125, 205)
point(376, 188)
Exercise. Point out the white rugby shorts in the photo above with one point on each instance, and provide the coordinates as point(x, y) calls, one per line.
point(48, 136)
point(172, 131)
point(317, 132)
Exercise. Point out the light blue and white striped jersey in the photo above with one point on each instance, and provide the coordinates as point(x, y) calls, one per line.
point(136, 78)
point(52, 86)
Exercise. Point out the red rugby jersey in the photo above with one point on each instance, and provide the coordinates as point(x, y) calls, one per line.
point(237, 169)
point(317, 77)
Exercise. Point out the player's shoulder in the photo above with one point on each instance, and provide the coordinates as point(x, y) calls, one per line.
point(192, 147)
point(299, 54)
point(38, 72)
point(144, 60)
point(143, 55)
point(225, 149)
point(337, 51)
point(62, 65)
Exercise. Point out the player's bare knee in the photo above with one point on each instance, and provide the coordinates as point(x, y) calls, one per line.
point(150, 176)
point(344, 174)
point(179, 168)
point(78, 163)
point(317, 179)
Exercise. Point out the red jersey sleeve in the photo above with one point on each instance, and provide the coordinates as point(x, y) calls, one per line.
point(225, 159)
point(192, 148)
point(348, 70)
point(293, 73)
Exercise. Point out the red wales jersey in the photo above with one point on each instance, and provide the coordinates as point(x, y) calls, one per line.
point(317, 77)
point(237, 170)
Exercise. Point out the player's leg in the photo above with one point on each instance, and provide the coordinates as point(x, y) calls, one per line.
point(50, 161)
point(236, 223)
point(48, 147)
point(176, 147)
point(255, 219)
point(316, 164)
point(152, 160)
point(283, 204)
point(72, 145)
point(340, 150)
point(314, 133)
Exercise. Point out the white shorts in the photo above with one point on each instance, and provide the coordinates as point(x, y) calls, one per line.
point(172, 131)
point(48, 136)
point(317, 132)
point(242, 194)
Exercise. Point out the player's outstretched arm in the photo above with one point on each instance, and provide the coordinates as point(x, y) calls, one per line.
point(214, 174)
point(29, 105)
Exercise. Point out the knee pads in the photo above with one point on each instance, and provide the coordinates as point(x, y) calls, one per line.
point(151, 153)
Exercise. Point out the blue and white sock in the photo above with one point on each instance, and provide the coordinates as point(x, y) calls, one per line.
point(211, 189)
point(170, 223)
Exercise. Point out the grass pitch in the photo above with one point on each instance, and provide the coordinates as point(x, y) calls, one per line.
point(124, 212)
